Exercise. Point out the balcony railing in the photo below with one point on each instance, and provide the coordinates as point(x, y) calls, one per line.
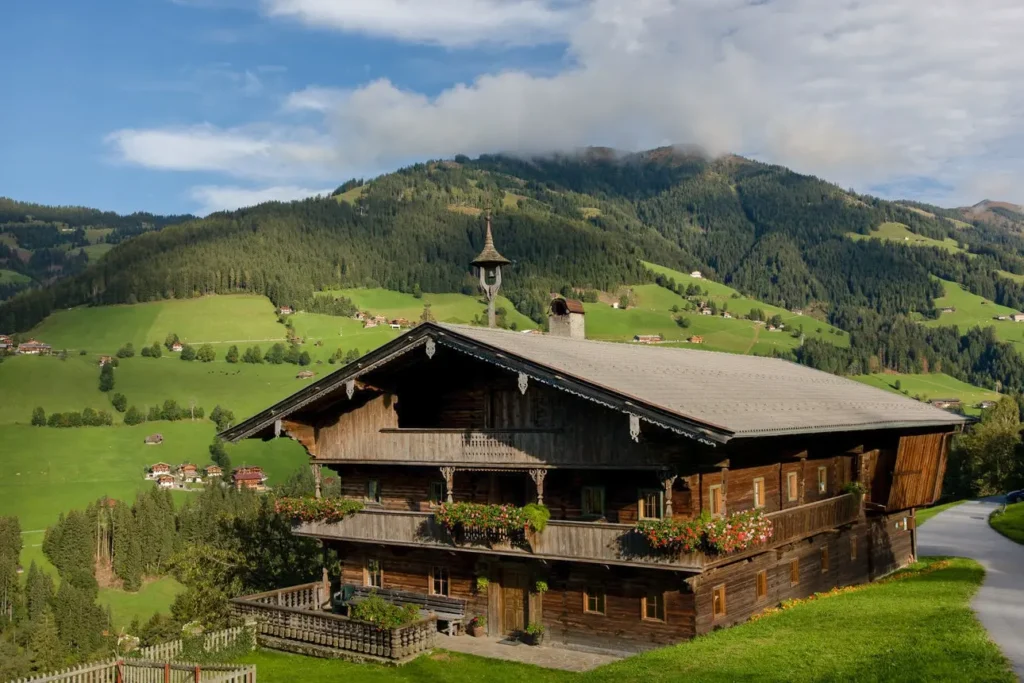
point(596, 542)
point(292, 618)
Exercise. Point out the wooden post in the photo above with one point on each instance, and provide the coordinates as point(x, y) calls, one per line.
point(167, 672)
point(198, 675)
point(316, 480)
point(725, 490)
point(449, 480)
point(325, 579)
point(538, 479)
point(803, 478)
point(668, 480)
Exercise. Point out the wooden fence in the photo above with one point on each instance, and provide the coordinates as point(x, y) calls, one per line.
point(144, 671)
point(293, 614)
point(215, 641)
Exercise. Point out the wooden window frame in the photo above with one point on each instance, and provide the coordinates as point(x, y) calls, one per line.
point(823, 479)
point(659, 606)
point(369, 499)
point(761, 585)
point(437, 486)
point(601, 495)
point(641, 511)
point(758, 492)
point(823, 554)
point(712, 490)
point(445, 580)
point(368, 574)
point(600, 600)
point(794, 572)
point(792, 491)
point(718, 599)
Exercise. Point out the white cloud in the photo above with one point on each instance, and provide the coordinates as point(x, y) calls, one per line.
point(212, 198)
point(445, 22)
point(862, 92)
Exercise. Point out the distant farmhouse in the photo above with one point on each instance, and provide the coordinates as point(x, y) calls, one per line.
point(946, 403)
point(647, 338)
point(106, 359)
point(286, 310)
point(155, 440)
point(177, 346)
point(947, 309)
point(1018, 317)
point(696, 339)
point(696, 274)
point(165, 481)
point(158, 470)
point(189, 473)
point(6, 342)
point(987, 405)
point(305, 374)
point(33, 347)
point(214, 471)
point(251, 478)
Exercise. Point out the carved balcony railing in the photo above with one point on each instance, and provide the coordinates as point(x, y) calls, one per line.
point(292, 619)
point(597, 542)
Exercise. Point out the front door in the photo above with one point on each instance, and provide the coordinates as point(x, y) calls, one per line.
point(513, 597)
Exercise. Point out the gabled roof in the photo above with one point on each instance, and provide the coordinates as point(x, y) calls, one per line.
point(711, 396)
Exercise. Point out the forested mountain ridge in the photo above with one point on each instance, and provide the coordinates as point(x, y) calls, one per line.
point(42, 244)
point(585, 222)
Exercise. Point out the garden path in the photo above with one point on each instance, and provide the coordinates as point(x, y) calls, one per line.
point(547, 657)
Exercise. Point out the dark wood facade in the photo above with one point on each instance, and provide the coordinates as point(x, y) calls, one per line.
point(420, 429)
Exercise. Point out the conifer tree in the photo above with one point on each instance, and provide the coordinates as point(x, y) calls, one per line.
point(127, 552)
point(46, 650)
point(38, 591)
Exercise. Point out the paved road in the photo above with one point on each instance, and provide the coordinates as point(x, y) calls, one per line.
point(964, 531)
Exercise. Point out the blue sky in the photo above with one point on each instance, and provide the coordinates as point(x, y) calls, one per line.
point(198, 105)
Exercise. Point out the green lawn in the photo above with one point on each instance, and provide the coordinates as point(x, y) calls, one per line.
point(917, 629)
point(214, 319)
point(898, 232)
point(930, 386)
point(1010, 523)
point(73, 384)
point(922, 515)
point(155, 596)
point(450, 308)
point(336, 332)
point(8, 277)
point(95, 251)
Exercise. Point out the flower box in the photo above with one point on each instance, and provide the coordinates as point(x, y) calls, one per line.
point(718, 535)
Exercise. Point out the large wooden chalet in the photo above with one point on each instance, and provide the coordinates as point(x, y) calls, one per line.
point(607, 435)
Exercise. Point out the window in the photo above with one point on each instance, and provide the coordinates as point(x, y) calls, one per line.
point(439, 581)
point(822, 479)
point(794, 572)
point(649, 506)
point(373, 491)
point(718, 601)
point(653, 606)
point(593, 501)
point(853, 547)
point(436, 493)
point(374, 574)
point(824, 559)
point(715, 500)
point(759, 492)
point(792, 486)
point(762, 584)
point(593, 601)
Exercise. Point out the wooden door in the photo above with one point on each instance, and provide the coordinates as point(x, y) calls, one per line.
point(513, 599)
point(918, 470)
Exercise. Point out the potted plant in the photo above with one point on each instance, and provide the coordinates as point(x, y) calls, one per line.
point(541, 587)
point(482, 582)
point(534, 634)
point(478, 626)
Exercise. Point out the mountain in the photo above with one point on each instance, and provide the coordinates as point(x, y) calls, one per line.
point(998, 214)
point(585, 222)
point(42, 244)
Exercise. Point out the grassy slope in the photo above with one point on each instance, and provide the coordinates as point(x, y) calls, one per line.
point(451, 308)
point(214, 319)
point(930, 386)
point(9, 277)
point(918, 629)
point(1010, 523)
point(652, 315)
point(155, 596)
point(898, 232)
point(335, 332)
point(975, 311)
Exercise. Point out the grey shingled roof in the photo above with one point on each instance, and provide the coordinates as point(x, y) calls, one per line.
point(745, 395)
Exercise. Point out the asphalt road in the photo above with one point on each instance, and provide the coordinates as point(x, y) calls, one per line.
point(963, 531)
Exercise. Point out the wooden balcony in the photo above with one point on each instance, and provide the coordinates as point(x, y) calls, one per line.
point(491, 448)
point(577, 541)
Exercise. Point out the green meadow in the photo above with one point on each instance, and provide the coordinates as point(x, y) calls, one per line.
point(975, 311)
point(237, 318)
point(10, 277)
point(931, 386)
point(446, 308)
point(898, 232)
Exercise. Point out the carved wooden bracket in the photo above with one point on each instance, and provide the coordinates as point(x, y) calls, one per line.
point(350, 388)
point(523, 382)
point(449, 482)
point(538, 478)
point(431, 347)
point(316, 480)
point(668, 479)
point(634, 427)
point(277, 428)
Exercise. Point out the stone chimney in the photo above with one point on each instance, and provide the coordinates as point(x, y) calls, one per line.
point(565, 318)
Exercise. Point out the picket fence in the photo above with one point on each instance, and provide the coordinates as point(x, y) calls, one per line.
point(155, 665)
